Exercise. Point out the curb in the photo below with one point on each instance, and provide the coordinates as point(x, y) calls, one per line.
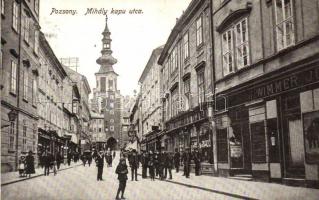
point(35, 176)
point(207, 189)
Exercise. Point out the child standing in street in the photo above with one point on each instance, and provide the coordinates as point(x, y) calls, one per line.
point(122, 171)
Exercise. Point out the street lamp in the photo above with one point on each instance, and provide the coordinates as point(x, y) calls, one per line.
point(12, 115)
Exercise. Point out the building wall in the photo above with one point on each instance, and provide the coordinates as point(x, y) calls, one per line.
point(18, 50)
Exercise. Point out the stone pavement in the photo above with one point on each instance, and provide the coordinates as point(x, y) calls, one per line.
point(242, 189)
point(12, 177)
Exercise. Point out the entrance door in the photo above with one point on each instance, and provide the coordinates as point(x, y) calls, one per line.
point(293, 138)
point(296, 141)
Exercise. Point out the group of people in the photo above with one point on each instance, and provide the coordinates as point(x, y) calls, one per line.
point(99, 157)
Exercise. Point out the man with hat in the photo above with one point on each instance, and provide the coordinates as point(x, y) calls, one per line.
point(134, 164)
point(99, 164)
point(187, 162)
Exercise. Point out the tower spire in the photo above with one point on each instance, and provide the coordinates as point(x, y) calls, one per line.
point(106, 60)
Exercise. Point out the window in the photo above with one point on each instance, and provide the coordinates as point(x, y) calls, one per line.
point(124, 128)
point(24, 136)
point(15, 11)
point(242, 49)
point(111, 96)
point(201, 86)
point(187, 94)
point(36, 6)
point(235, 46)
point(103, 83)
point(111, 105)
point(284, 23)
point(112, 112)
point(34, 91)
point(175, 103)
point(26, 28)
point(11, 136)
point(2, 7)
point(25, 84)
point(13, 77)
point(199, 31)
point(100, 130)
point(36, 42)
point(112, 120)
point(186, 46)
point(111, 84)
point(111, 128)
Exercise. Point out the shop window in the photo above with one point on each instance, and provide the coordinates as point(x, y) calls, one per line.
point(311, 135)
point(222, 145)
point(258, 142)
point(284, 23)
point(235, 146)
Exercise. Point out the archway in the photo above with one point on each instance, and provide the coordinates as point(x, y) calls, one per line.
point(111, 143)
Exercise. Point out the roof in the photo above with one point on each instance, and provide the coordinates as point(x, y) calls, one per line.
point(155, 53)
point(183, 20)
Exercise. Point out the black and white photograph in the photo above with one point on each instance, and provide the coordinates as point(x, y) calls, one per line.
point(159, 99)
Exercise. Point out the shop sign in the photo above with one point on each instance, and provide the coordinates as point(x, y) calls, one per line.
point(235, 150)
point(296, 80)
point(205, 143)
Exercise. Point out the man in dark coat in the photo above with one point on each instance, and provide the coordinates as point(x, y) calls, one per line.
point(177, 160)
point(30, 164)
point(122, 171)
point(100, 164)
point(46, 162)
point(187, 162)
point(156, 163)
point(134, 164)
point(144, 162)
point(168, 165)
point(89, 158)
point(197, 160)
point(59, 159)
point(69, 157)
point(162, 167)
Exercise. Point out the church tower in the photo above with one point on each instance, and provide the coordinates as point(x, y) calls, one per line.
point(106, 97)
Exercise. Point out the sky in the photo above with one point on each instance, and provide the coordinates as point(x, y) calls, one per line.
point(134, 36)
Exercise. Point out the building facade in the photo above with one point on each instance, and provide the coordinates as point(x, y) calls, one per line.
point(186, 85)
point(267, 89)
point(150, 100)
point(126, 105)
point(19, 80)
point(50, 100)
point(106, 97)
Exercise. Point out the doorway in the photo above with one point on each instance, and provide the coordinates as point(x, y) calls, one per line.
point(293, 139)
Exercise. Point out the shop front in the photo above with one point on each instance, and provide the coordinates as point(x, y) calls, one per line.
point(270, 126)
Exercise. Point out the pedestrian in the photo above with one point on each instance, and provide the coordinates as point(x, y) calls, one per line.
point(69, 157)
point(89, 158)
point(29, 161)
point(122, 171)
point(183, 157)
point(197, 161)
point(177, 160)
point(161, 165)
point(54, 163)
point(114, 154)
point(59, 160)
point(144, 162)
point(46, 163)
point(168, 165)
point(151, 166)
point(134, 164)
point(22, 166)
point(100, 164)
point(83, 158)
point(156, 163)
point(187, 162)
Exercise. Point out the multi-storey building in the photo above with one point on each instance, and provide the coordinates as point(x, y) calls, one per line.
point(97, 129)
point(186, 83)
point(150, 100)
point(126, 104)
point(19, 78)
point(267, 89)
point(106, 97)
point(83, 106)
point(135, 128)
point(50, 100)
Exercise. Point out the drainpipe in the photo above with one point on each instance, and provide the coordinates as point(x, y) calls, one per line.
point(213, 78)
point(18, 88)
